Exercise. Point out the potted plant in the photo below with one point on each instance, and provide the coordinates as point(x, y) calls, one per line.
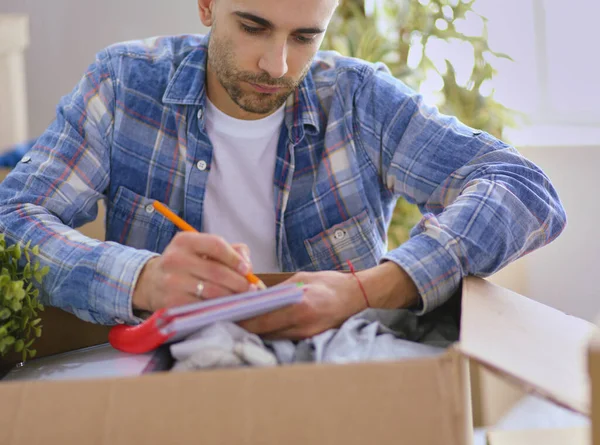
point(19, 299)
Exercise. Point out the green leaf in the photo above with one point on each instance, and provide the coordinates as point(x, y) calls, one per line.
point(10, 340)
point(19, 345)
point(16, 253)
point(36, 322)
point(20, 294)
point(5, 314)
point(32, 353)
point(36, 250)
point(29, 343)
point(27, 271)
point(16, 306)
point(17, 285)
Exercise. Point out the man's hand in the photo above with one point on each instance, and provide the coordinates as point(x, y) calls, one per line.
point(192, 258)
point(330, 298)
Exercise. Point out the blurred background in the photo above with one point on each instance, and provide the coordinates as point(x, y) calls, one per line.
point(524, 70)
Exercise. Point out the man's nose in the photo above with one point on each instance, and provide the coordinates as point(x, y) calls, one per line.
point(274, 61)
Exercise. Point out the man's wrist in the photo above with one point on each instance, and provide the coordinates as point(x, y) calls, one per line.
point(140, 300)
point(388, 286)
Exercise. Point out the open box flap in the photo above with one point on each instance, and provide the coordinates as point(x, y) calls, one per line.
point(538, 347)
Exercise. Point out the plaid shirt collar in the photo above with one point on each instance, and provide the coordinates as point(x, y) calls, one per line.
point(188, 87)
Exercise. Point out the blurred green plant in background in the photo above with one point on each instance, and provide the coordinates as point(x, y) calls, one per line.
point(401, 33)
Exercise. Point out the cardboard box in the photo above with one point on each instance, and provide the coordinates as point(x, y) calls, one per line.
point(594, 370)
point(567, 436)
point(419, 401)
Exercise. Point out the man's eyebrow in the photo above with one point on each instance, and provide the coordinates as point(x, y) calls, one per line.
point(267, 24)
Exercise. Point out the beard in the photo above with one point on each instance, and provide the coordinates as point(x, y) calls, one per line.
point(222, 60)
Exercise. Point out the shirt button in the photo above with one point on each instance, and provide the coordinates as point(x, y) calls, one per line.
point(339, 234)
point(201, 114)
point(201, 165)
point(149, 208)
point(26, 159)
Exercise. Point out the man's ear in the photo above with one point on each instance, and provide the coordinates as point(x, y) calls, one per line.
point(206, 8)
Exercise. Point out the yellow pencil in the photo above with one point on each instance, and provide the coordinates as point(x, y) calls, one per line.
point(167, 213)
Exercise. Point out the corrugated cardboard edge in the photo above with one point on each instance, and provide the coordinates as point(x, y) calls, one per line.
point(563, 436)
point(517, 326)
point(422, 400)
point(594, 371)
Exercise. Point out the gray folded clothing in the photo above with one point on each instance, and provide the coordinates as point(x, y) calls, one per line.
point(374, 334)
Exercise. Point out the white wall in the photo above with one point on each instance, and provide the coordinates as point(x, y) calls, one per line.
point(566, 273)
point(66, 34)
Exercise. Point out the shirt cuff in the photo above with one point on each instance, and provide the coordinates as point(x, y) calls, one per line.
point(116, 276)
point(434, 270)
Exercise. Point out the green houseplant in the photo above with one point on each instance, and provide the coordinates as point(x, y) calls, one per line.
point(399, 33)
point(19, 302)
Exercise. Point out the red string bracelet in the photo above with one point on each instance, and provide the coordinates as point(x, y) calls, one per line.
point(359, 283)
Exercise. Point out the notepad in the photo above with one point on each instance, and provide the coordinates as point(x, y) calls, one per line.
point(173, 324)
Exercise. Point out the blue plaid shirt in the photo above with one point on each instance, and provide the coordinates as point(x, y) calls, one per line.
point(354, 139)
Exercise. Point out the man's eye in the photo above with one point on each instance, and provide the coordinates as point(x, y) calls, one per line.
point(251, 29)
point(304, 39)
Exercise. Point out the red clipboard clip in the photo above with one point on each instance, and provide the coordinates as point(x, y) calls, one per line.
point(142, 338)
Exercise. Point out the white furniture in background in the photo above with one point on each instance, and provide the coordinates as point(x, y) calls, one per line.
point(14, 39)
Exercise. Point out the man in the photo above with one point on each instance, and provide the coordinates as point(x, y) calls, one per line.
point(253, 137)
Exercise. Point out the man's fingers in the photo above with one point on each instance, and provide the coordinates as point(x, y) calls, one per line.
point(278, 320)
point(185, 287)
point(182, 259)
point(214, 247)
point(217, 273)
point(296, 333)
point(244, 251)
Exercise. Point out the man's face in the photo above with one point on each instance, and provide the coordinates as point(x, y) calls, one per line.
point(261, 50)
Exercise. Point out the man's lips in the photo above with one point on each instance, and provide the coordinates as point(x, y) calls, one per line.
point(265, 89)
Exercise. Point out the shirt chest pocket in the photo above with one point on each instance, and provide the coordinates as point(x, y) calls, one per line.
point(355, 239)
point(133, 221)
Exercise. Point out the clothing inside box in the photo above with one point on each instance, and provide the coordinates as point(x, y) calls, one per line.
point(374, 334)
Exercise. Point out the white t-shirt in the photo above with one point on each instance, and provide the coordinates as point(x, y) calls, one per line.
point(239, 202)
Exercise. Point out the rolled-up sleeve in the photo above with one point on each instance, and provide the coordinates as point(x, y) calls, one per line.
point(56, 188)
point(484, 205)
